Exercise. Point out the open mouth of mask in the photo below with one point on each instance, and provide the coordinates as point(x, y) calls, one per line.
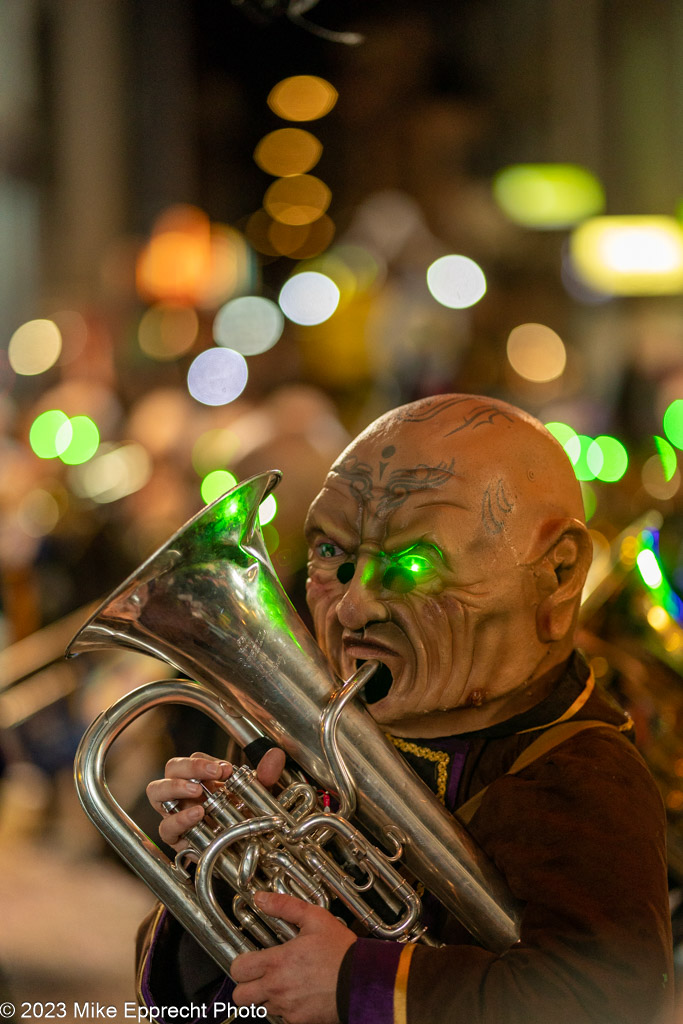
point(378, 685)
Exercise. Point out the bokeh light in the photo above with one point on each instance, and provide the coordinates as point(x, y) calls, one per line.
point(167, 331)
point(309, 298)
point(667, 456)
point(562, 432)
point(301, 241)
point(217, 376)
point(635, 255)
point(249, 324)
point(213, 449)
point(231, 268)
point(267, 510)
point(84, 440)
point(607, 459)
point(456, 281)
point(673, 422)
point(176, 262)
point(302, 98)
point(548, 195)
point(590, 500)
point(216, 483)
point(112, 474)
point(38, 513)
point(34, 347)
point(536, 352)
point(649, 568)
point(659, 480)
point(288, 151)
point(44, 430)
point(577, 449)
point(298, 200)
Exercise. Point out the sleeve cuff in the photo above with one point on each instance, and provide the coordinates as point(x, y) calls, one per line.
point(373, 982)
point(158, 981)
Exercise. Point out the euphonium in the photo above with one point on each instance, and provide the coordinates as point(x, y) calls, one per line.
point(209, 604)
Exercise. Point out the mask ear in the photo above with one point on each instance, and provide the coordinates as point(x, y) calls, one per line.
point(560, 575)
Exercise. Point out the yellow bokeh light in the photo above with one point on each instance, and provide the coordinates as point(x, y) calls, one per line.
point(658, 617)
point(302, 98)
point(301, 241)
point(536, 352)
point(34, 347)
point(300, 199)
point(167, 331)
point(629, 255)
point(288, 151)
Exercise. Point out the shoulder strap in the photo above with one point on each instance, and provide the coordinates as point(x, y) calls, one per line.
point(546, 741)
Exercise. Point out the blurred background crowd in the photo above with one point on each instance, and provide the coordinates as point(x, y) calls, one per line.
point(231, 234)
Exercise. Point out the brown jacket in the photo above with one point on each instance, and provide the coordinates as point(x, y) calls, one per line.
point(579, 835)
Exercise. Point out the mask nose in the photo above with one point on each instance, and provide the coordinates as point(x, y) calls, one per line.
point(361, 602)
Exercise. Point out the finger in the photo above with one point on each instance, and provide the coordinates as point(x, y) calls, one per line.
point(173, 827)
point(253, 992)
point(271, 766)
point(289, 908)
point(161, 790)
point(249, 966)
point(199, 766)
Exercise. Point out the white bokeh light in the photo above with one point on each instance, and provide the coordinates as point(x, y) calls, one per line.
point(217, 376)
point(249, 324)
point(456, 281)
point(309, 298)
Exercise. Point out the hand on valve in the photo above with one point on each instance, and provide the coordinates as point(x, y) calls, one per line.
point(296, 980)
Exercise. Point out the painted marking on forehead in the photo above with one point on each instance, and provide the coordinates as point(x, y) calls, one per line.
point(495, 506)
point(398, 485)
point(386, 454)
point(481, 415)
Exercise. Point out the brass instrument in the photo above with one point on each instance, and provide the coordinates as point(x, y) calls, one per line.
point(209, 604)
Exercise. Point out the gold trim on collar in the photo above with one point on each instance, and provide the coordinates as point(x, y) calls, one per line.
point(440, 757)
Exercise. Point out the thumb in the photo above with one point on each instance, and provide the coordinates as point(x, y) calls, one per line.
point(289, 908)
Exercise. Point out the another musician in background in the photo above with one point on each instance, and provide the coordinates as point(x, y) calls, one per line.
point(448, 543)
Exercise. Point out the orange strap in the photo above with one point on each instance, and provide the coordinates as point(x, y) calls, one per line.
point(550, 738)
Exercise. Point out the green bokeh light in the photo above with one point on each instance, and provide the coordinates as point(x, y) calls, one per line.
point(548, 195)
point(590, 500)
point(215, 484)
point(607, 458)
point(579, 447)
point(43, 434)
point(562, 432)
point(673, 423)
point(667, 456)
point(83, 443)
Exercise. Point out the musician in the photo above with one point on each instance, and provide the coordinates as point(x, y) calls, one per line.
point(448, 543)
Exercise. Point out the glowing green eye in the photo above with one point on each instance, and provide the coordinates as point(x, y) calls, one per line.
point(414, 563)
point(328, 550)
point(406, 571)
